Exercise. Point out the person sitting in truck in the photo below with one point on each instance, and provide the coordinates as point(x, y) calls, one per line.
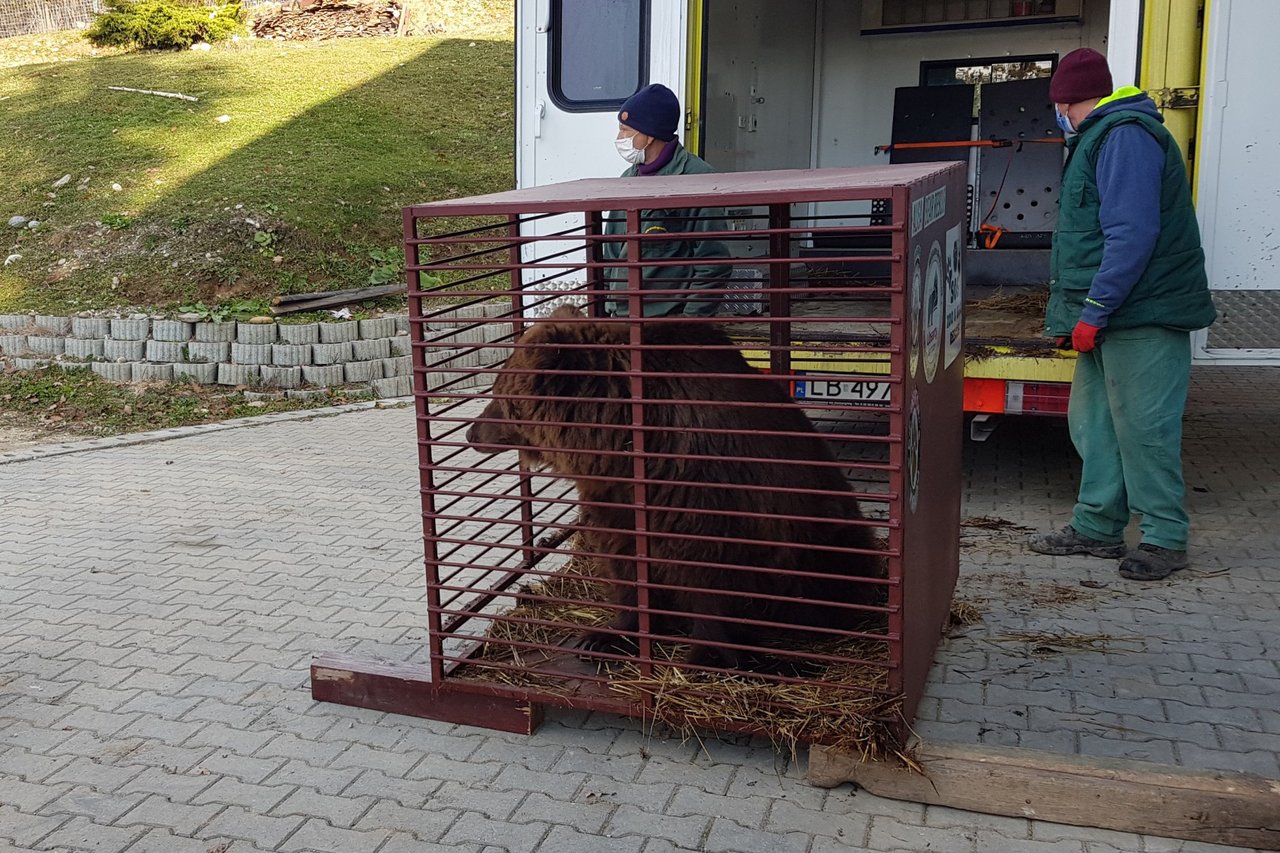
point(1127, 287)
point(646, 139)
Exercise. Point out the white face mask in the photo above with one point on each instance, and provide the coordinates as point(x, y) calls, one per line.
point(627, 149)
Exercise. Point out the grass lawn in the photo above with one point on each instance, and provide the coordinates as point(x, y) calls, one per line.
point(57, 405)
point(322, 145)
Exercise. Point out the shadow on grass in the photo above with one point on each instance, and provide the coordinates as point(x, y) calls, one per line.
point(323, 146)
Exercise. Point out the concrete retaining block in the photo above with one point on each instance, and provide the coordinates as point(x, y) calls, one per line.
point(113, 371)
point(382, 327)
point(22, 363)
point(288, 355)
point(399, 366)
point(362, 371)
point(396, 386)
point(330, 353)
point(371, 349)
point(205, 374)
point(167, 351)
point(307, 394)
point(316, 374)
point(12, 345)
point(171, 330)
point(339, 333)
point(303, 333)
point(212, 351)
point(90, 327)
point(402, 324)
point(256, 333)
point(237, 374)
point(83, 348)
point(14, 321)
point(251, 353)
point(215, 333)
point(281, 377)
point(130, 330)
point(263, 396)
point(143, 372)
point(129, 350)
point(46, 344)
point(401, 345)
point(53, 324)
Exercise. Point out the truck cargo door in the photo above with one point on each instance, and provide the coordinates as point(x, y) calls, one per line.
point(1239, 206)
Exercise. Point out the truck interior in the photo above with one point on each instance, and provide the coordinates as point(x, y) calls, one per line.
point(823, 83)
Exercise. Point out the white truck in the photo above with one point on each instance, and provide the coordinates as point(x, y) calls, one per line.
point(773, 84)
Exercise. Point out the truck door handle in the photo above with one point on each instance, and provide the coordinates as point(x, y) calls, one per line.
point(539, 110)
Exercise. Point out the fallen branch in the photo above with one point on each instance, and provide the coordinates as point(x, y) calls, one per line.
point(152, 92)
point(337, 299)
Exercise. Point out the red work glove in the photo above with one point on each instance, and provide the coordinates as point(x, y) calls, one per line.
point(1084, 337)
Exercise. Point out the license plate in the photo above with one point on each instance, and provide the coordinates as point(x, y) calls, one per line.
point(843, 391)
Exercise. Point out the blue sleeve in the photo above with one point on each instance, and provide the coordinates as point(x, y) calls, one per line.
point(1129, 171)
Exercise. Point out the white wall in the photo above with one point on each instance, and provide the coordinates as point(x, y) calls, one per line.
point(859, 73)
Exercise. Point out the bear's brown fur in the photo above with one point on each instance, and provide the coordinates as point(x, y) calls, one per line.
point(564, 400)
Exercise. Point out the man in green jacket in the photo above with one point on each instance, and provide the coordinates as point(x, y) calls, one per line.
point(1127, 287)
point(647, 140)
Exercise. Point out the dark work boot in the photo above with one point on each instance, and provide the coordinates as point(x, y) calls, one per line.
point(1152, 563)
point(1068, 540)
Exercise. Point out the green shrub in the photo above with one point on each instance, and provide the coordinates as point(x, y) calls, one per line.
point(164, 24)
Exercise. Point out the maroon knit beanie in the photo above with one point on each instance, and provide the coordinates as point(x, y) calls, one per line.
point(1082, 74)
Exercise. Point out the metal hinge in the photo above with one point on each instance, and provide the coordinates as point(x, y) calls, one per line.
point(1176, 98)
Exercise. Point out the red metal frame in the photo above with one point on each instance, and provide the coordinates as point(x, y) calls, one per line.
point(482, 270)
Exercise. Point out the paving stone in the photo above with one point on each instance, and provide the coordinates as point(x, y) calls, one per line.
point(472, 828)
point(251, 825)
point(176, 785)
point(81, 834)
point(317, 835)
point(428, 824)
point(27, 829)
point(339, 811)
point(163, 812)
point(259, 798)
point(728, 837)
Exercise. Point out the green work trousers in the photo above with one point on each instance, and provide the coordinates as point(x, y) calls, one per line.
point(1125, 416)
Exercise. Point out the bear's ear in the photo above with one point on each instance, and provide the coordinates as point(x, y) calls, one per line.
point(577, 359)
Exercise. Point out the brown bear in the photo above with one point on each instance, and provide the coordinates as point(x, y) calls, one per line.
point(711, 456)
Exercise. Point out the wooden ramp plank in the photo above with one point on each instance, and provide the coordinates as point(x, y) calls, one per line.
point(1128, 796)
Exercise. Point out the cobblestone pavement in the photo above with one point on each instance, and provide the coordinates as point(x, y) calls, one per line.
point(161, 603)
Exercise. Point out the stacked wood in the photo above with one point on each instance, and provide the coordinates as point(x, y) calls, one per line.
point(328, 19)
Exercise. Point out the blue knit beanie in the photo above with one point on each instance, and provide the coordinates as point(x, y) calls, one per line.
point(654, 111)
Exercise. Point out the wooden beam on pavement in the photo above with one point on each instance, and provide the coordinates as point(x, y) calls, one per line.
point(1128, 796)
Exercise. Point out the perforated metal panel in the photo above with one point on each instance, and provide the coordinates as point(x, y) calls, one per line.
point(1018, 185)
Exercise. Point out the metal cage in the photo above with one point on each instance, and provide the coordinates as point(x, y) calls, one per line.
point(684, 468)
